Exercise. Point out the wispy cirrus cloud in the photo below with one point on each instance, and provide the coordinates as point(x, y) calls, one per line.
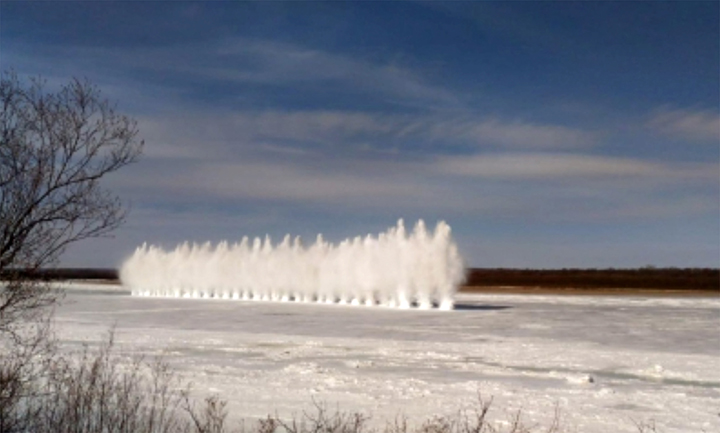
point(292, 183)
point(246, 62)
point(271, 62)
point(564, 165)
point(584, 186)
point(689, 124)
point(510, 133)
point(298, 131)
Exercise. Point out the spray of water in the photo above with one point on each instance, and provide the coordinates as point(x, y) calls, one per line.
point(395, 269)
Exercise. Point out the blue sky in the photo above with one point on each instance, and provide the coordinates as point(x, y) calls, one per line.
point(546, 134)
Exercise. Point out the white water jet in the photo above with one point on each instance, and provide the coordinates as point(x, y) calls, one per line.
point(394, 269)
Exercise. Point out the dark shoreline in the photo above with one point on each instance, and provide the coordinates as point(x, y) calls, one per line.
point(558, 281)
point(572, 291)
point(59, 274)
point(659, 279)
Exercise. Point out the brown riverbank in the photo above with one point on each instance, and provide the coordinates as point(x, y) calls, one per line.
point(621, 282)
point(570, 291)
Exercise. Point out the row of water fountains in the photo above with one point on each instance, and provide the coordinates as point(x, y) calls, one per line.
point(395, 269)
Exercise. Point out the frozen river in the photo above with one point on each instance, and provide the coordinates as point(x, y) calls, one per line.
point(607, 362)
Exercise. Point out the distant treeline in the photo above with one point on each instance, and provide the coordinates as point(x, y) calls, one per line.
point(642, 278)
point(64, 274)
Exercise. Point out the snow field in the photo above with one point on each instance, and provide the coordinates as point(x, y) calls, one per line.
point(606, 362)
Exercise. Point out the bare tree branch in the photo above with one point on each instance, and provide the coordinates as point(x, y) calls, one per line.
point(54, 149)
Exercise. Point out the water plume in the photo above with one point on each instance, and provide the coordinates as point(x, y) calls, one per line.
point(395, 269)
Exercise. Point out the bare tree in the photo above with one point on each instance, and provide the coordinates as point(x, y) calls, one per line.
point(54, 149)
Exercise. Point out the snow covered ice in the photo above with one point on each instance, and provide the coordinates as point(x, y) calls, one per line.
point(394, 269)
point(608, 362)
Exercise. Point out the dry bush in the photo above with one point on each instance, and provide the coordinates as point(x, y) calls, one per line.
point(22, 361)
point(319, 421)
point(646, 426)
point(475, 420)
point(209, 418)
point(95, 391)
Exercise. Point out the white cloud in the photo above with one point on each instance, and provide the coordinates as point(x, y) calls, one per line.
point(516, 133)
point(563, 165)
point(316, 126)
point(266, 180)
point(695, 125)
point(278, 63)
point(203, 136)
point(548, 186)
point(237, 61)
point(279, 182)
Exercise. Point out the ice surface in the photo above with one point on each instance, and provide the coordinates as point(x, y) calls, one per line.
point(606, 361)
point(394, 269)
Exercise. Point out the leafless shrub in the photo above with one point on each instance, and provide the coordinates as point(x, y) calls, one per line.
point(320, 421)
point(210, 418)
point(475, 420)
point(54, 149)
point(646, 426)
point(93, 392)
point(20, 367)
point(268, 425)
